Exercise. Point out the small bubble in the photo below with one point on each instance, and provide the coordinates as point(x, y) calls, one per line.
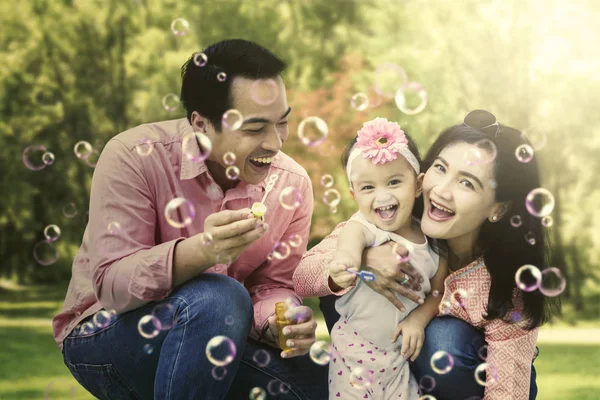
point(427, 383)
point(261, 358)
point(411, 98)
point(229, 158)
point(547, 221)
point(219, 373)
point(553, 282)
point(232, 120)
point(200, 59)
point(484, 374)
point(232, 172)
point(530, 238)
point(332, 198)
point(281, 251)
point(196, 146)
point(148, 349)
point(82, 149)
point(221, 76)
point(524, 153)
point(539, 202)
point(516, 221)
point(327, 181)
point(295, 240)
point(180, 27)
point(45, 253)
point(361, 378)
point(264, 91)
point(149, 326)
point(257, 393)
point(359, 101)
point(207, 239)
point(52, 233)
point(48, 158)
point(102, 319)
point(33, 157)
point(170, 102)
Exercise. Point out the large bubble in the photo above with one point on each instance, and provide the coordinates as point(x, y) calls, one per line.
point(539, 202)
point(312, 131)
point(220, 351)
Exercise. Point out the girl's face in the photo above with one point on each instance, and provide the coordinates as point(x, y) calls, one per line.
point(458, 197)
point(385, 193)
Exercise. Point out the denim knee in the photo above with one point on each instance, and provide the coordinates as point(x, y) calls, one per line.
point(217, 298)
point(454, 336)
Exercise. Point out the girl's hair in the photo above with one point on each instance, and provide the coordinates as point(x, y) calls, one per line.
point(505, 248)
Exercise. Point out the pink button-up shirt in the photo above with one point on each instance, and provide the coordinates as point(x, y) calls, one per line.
point(126, 257)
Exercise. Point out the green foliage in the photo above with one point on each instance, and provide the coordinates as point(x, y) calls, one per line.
point(87, 70)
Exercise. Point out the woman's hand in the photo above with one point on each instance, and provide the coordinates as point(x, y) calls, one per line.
point(389, 272)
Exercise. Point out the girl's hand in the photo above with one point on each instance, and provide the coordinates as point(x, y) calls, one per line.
point(338, 271)
point(413, 335)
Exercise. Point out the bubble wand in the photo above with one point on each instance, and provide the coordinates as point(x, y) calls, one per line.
point(259, 209)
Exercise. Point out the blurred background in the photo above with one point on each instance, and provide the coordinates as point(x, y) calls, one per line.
point(87, 70)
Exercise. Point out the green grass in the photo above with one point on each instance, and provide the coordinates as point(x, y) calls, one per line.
point(31, 365)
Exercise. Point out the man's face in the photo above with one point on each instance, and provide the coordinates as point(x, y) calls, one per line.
point(263, 132)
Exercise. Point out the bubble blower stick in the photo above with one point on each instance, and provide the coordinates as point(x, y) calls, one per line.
point(364, 275)
point(282, 322)
point(259, 209)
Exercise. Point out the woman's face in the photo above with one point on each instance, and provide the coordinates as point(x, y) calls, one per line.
point(458, 197)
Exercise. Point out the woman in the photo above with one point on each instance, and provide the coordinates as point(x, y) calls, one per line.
point(474, 184)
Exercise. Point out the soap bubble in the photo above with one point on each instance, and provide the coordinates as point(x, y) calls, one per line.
point(102, 319)
point(516, 221)
point(332, 198)
point(220, 350)
point(45, 253)
point(200, 59)
point(290, 198)
point(530, 238)
point(219, 373)
point(33, 157)
point(361, 378)
point(180, 212)
point(482, 152)
point(48, 158)
point(281, 251)
point(389, 78)
point(264, 91)
point(232, 172)
point(553, 282)
point(528, 278)
point(402, 250)
point(411, 98)
point(485, 374)
point(359, 101)
point(427, 383)
point(149, 326)
point(165, 313)
point(257, 393)
point(52, 233)
point(232, 120)
point(539, 202)
point(312, 131)
point(547, 221)
point(261, 358)
point(180, 27)
point(295, 240)
point(327, 181)
point(189, 146)
point(320, 352)
point(82, 149)
point(144, 147)
point(148, 349)
point(221, 76)
point(524, 153)
point(170, 102)
point(442, 362)
point(229, 158)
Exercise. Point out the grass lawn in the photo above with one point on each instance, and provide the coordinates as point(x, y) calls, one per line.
point(31, 365)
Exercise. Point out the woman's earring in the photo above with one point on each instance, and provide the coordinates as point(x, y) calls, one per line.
point(494, 218)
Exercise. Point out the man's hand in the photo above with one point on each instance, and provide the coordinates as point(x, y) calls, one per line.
point(338, 271)
point(228, 233)
point(300, 333)
point(389, 272)
point(413, 334)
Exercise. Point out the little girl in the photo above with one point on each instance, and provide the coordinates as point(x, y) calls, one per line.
point(383, 169)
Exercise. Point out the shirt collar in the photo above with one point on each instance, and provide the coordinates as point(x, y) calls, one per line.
point(191, 169)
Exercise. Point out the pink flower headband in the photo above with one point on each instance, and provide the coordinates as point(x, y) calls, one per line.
point(381, 141)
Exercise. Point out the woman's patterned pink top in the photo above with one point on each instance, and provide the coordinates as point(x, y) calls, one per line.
point(511, 347)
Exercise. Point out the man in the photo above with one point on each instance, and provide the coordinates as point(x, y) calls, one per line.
point(191, 280)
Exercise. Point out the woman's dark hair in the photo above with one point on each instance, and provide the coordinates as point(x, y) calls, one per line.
point(417, 210)
point(201, 91)
point(505, 248)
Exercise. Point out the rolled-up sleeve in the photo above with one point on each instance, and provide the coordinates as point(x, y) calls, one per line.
point(272, 281)
point(129, 269)
point(311, 278)
point(509, 356)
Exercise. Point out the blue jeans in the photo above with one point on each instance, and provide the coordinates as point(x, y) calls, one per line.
point(454, 336)
point(114, 362)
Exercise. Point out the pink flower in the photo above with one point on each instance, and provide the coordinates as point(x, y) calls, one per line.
point(380, 140)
